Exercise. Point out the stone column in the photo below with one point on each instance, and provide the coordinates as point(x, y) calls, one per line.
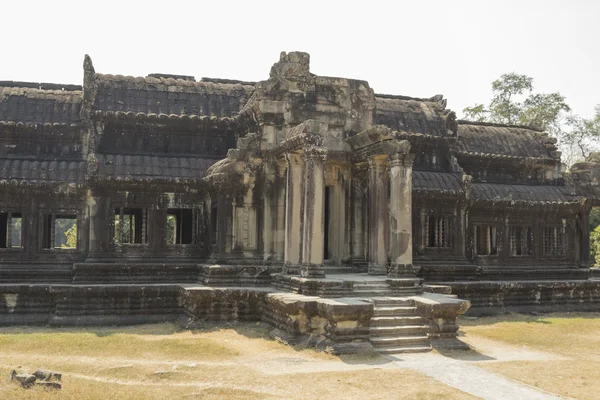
point(401, 214)
point(269, 214)
point(280, 184)
point(224, 227)
point(314, 203)
point(358, 251)
point(337, 222)
point(293, 218)
point(378, 215)
point(98, 214)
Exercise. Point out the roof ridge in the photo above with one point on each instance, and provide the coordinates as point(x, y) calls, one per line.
point(41, 86)
point(164, 79)
point(498, 125)
point(401, 97)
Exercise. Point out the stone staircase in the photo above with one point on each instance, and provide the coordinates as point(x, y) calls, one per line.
point(397, 287)
point(396, 328)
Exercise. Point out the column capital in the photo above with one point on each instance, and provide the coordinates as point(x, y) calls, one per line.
point(401, 159)
point(377, 160)
point(294, 159)
point(315, 152)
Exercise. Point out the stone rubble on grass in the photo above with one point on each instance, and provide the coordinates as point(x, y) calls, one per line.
point(43, 378)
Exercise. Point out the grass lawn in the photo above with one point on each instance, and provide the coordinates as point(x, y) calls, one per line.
point(164, 362)
point(575, 337)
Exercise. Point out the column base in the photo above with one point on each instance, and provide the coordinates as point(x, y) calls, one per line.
point(291, 269)
point(312, 271)
point(375, 269)
point(402, 270)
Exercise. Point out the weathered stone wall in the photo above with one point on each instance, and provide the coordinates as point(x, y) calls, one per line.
point(88, 304)
point(495, 297)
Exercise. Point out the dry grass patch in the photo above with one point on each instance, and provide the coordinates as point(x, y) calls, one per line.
point(164, 362)
point(151, 341)
point(571, 335)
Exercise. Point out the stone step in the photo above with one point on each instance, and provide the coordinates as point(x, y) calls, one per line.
point(397, 321)
point(399, 330)
point(400, 341)
point(403, 349)
point(391, 301)
point(392, 311)
point(334, 269)
point(369, 293)
point(359, 285)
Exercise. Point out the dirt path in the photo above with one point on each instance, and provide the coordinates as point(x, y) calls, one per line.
point(466, 376)
point(458, 369)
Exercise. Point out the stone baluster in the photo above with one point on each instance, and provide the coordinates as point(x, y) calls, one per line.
point(293, 219)
point(401, 214)
point(314, 203)
point(378, 215)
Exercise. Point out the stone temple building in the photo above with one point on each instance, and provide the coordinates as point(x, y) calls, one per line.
point(300, 184)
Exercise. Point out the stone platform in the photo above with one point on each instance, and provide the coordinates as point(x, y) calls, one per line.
point(341, 325)
point(493, 297)
point(348, 285)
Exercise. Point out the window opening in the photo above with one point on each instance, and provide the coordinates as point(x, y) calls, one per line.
point(11, 228)
point(130, 225)
point(486, 239)
point(59, 231)
point(181, 226)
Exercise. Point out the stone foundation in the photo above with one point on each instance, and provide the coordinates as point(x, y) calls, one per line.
point(525, 296)
point(340, 325)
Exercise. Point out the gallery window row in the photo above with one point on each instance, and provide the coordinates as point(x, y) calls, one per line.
point(437, 232)
point(59, 230)
point(521, 240)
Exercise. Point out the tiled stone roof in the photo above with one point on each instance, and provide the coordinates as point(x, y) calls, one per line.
point(524, 193)
point(410, 115)
point(431, 180)
point(160, 95)
point(135, 167)
point(504, 140)
point(37, 171)
point(26, 103)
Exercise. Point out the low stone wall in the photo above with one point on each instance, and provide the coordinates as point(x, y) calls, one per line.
point(203, 304)
point(495, 297)
point(98, 273)
point(235, 275)
point(88, 304)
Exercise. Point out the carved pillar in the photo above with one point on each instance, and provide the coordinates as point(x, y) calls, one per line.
point(98, 215)
point(293, 218)
point(358, 205)
point(337, 221)
point(224, 226)
point(269, 213)
point(314, 203)
point(280, 184)
point(378, 215)
point(401, 214)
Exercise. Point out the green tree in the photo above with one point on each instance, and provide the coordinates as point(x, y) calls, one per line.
point(583, 137)
point(71, 237)
point(515, 102)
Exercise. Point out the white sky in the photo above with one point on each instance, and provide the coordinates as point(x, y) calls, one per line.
point(414, 48)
